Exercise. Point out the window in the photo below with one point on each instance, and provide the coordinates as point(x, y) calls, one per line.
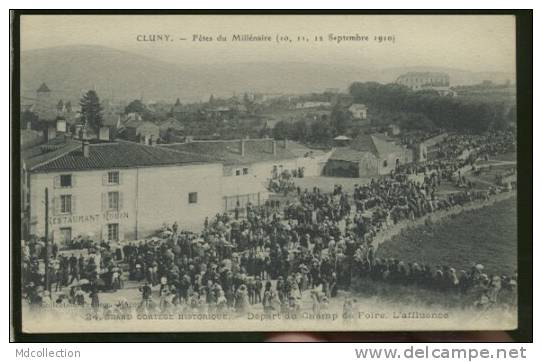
point(113, 200)
point(245, 171)
point(238, 172)
point(66, 204)
point(65, 235)
point(113, 232)
point(65, 180)
point(385, 163)
point(193, 198)
point(113, 177)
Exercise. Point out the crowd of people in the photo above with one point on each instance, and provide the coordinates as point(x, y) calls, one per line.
point(315, 245)
point(283, 183)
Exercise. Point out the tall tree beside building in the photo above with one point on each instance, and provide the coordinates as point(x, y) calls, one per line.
point(91, 110)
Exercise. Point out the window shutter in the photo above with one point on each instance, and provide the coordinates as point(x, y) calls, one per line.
point(120, 201)
point(73, 180)
point(105, 179)
point(56, 182)
point(104, 201)
point(73, 204)
point(120, 177)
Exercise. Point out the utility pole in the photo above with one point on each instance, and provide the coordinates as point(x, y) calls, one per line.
point(47, 285)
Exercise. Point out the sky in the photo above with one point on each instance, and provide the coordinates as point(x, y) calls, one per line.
point(470, 42)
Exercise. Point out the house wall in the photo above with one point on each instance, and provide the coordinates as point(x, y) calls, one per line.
point(387, 163)
point(256, 181)
point(148, 197)
point(368, 166)
point(358, 113)
point(147, 130)
point(341, 168)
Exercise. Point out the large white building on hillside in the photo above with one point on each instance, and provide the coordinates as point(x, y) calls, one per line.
point(419, 81)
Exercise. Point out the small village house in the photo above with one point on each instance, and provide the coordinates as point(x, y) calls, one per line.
point(367, 156)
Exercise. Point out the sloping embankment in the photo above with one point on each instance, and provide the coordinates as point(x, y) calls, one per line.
point(396, 229)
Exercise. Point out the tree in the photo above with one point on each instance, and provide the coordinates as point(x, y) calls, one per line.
point(474, 114)
point(281, 130)
point(91, 110)
point(300, 130)
point(135, 106)
point(340, 120)
point(321, 131)
point(246, 99)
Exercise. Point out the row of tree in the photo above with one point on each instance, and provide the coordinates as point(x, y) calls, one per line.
point(319, 131)
point(444, 112)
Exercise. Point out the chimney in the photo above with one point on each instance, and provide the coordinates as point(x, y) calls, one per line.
point(274, 147)
point(86, 148)
point(242, 147)
point(104, 134)
point(50, 133)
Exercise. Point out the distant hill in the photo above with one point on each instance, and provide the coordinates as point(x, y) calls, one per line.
point(67, 70)
point(70, 70)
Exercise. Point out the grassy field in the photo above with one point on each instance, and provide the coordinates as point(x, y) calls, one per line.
point(487, 236)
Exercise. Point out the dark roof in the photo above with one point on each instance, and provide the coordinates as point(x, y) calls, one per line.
point(42, 153)
point(43, 88)
point(256, 150)
point(120, 154)
point(172, 123)
point(376, 144)
point(364, 143)
point(347, 154)
point(358, 106)
point(385, 145)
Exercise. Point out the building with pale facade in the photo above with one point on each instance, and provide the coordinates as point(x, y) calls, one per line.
point(120, 190)
point(419, 81)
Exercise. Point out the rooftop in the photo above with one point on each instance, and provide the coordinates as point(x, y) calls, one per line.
point(43, 88)
point(358, 106)
point(376, 144)
point(108, 155)
point(256, 150)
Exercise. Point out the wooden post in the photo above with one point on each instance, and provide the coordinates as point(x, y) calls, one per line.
point(47, 277)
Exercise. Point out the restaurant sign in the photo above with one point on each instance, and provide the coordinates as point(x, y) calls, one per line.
point(88, 219)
